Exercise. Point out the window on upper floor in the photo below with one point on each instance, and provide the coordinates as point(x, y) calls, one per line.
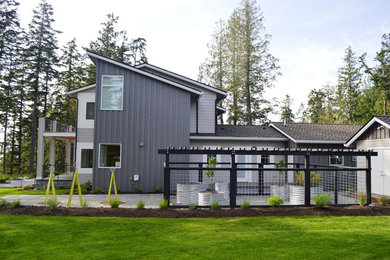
point(336, 160)
point(112, 93)
point(90, 111)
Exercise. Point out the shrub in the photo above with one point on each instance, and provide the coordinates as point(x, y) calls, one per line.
point(84, 204)
point(114, 204)
point(157, 190)
point(15, 203)
point(322, 200)
point(192, 206)
point(138, 190)
point(61, 187)
point(4, 178)
point(245, 205)
point(97, 190)
point(52, 203)
point(3, 203)
point(140, 205)
point(214, 205)
point(86, 187)
point(163, 204)
point(362, 199)
point(315, 178)
point(275, 201)
point(383, 200)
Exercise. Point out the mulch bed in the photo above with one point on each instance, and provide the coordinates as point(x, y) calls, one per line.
point(199, 213)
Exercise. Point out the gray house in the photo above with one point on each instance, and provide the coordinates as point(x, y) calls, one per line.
point(131, 112)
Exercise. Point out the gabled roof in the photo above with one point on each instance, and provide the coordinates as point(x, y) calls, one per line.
point(81, 89)
point(242, 133)
point(175, 75)
point(383, 120)
point(95, 56)
point(316, 133)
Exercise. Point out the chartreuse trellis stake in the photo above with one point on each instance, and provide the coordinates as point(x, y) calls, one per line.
point(50, 183)
point(112, 181)
point(75, 176)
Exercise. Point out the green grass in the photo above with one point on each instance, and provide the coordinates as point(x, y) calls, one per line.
point(226, 238)
point(14, 191)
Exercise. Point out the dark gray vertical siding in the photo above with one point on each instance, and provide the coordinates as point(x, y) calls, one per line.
point(154, 113)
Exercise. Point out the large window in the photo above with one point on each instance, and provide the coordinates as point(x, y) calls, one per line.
point(336, 160)
point(110, 155)
point(86, 158)
point(112, 93)
point(90, 111)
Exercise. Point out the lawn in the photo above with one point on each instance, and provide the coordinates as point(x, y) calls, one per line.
point(16, 191)
point(225, 238)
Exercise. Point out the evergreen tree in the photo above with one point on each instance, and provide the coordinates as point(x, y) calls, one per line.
point(286, 114)
point(42, 57)
point(349, 88)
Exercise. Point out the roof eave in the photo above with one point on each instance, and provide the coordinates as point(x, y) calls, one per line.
point(364, 128)
point(235, 138)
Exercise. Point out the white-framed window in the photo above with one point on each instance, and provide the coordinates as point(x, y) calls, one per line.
point(110, 155)
point(244, 176)
point(86, 158)
point(336, 160)
point(112, 92)
point(265, 158)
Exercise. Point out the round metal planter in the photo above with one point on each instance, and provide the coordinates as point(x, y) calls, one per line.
point(206, 198)
point(297, 194)
point(223, 187)
point(187, 193)
point(280, 191)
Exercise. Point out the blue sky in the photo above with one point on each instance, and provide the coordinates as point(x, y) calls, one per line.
point(308, 37)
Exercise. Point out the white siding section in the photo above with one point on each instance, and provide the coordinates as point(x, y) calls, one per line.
point(83, 98)
point(206, 108)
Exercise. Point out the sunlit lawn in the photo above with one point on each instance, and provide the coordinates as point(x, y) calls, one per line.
point(18, 191)
point(25, 237)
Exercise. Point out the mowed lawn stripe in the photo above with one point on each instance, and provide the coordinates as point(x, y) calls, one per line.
point(228, 238)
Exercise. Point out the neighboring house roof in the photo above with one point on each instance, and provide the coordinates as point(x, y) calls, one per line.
point(242, 133)
point(94, 56)
point(81, 89)
point(383, 120)
point(316, 133)
point(175, 75)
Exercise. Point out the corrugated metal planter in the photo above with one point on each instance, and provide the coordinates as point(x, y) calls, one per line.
point(187, 193)
point(223, 187)
point(207, 197)
point(297, 194)
point(280, 191)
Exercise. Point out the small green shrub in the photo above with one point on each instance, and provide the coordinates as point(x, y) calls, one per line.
point(15, 203)
point(245, 205)
point(322, 200)
point(86, 187)
point(275, 201)
point(383, 200)
point(114, 204)
point(140, 205)
point(191, 206)
point(214, 205)
point(4, 178)
point(97, 190)
point(163, 204)
point(61, 187)
point(157, 190)
point(52, 203)
point(362, 199)
point(138, 190)
point(84, 204)
point(3, 203)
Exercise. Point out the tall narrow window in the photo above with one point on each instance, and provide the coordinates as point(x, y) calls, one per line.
point(86, 158)
point(112, 93)
point(90, 111)
point(110, 155)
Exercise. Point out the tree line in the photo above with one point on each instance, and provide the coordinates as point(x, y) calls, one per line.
point(35, 74)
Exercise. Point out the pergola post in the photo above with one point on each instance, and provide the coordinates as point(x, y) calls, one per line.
point(52, 154)
point(68, 149)
point(40, 148)
point(307, 179)
point(368, 179)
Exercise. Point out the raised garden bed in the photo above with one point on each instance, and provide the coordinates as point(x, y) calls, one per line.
point(200, 213)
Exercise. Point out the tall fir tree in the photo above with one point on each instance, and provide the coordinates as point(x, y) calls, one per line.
point(42, 60)
point(286, 113)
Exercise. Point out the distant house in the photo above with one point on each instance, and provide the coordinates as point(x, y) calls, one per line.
point(131, 112)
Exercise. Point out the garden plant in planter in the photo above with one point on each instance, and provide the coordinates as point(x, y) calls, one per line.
point(208, 197)
point(297, 193)
point(280, 190)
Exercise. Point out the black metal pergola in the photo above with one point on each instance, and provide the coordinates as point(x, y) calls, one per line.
point(232, 165)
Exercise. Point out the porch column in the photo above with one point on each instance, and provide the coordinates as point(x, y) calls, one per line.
point(40, 148)
point(68, 148)
point(52, 154)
